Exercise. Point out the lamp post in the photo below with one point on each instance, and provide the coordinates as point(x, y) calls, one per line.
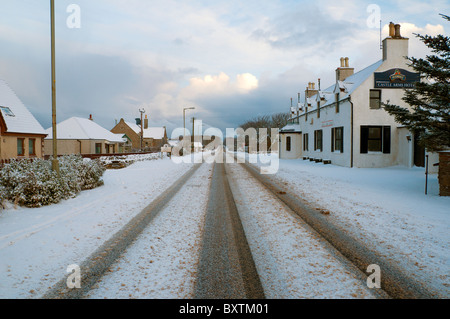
point(184, 118)
point(55, 163)
point(142, 129)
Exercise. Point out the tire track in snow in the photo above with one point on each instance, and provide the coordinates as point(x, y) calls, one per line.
point(93, 268)
point(393, 281)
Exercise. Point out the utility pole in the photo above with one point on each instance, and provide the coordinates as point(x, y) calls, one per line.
point(184, 119)
point(142, 129)
point(193, 134)
point(55, 163)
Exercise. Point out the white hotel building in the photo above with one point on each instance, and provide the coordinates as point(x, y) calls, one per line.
point(345, 123)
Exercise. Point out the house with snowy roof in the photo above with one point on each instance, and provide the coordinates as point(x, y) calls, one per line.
point(345, 123)
point(83, 136)
point(153, 137)
point(21, 135)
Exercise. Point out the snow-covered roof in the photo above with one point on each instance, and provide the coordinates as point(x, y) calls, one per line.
point(291, 128)
point(349, 85)
point(76, 128)
point(17, 117)
point(156, 133)
point(173, 142)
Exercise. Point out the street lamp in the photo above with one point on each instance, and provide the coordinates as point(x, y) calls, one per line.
point(184, 118)
point(55, 164)
point(142, 129)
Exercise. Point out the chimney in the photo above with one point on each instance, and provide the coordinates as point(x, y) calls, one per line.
point(345, 70)
point(395, 47)
point(311, 89)
point(146, 122)
point(90, 117)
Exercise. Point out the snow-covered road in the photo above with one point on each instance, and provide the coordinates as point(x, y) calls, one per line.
point(292, 259)
point(386, 209)
point(162, 262)
point(37, 245)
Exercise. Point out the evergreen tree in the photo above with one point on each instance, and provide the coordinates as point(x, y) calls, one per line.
point(429, 116)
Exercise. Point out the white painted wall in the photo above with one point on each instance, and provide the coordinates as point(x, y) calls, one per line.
point(296, 146)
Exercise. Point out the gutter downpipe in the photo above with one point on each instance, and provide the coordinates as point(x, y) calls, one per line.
point(80, 145)
point(351, 130)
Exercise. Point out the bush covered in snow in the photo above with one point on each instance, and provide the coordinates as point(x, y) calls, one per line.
point(34, 183)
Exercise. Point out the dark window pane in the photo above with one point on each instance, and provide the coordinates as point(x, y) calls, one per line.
point(374, 145)
point(374, 132)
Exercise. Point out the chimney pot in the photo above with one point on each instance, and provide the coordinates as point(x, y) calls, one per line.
point(391, 29)
point(346, 62)
point(397, 31)
point(342, 62)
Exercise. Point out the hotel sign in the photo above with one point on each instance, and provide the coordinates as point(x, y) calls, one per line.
point(396, 79)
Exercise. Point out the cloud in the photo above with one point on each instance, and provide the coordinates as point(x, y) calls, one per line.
point(232, 60)
point(308, 25)
point(219, 85)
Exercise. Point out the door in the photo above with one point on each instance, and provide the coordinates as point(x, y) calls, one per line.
point(419, 153)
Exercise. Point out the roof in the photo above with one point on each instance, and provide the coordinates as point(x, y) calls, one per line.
point(76, 128)
point(291, 128)
point(17, 117)
point(156, 133)
point(345, 88)
point(349, 85)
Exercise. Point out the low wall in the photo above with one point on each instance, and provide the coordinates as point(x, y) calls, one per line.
point(444, 173)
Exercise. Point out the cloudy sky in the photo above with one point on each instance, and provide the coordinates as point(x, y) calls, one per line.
point(231, 60)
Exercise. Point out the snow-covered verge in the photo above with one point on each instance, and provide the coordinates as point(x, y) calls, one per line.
point(38, 244)
point(386, 208)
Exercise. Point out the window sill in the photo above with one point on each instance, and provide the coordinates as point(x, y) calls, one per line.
point(374, 153)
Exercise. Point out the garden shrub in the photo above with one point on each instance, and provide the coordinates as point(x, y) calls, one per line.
point(34, 183)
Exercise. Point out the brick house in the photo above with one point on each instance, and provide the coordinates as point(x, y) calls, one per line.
point(154, 137)
point(21, 135)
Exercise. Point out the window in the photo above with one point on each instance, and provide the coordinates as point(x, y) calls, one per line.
point(337, 102)
point(7, 111)
point(288, 143)
point(318, 109)
point(318, 140)
point(337, 139)
point(32, 146)
point(20, 146)
point(305, 142)
point(376, 139)
point(375, 99)
point(98, 148)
